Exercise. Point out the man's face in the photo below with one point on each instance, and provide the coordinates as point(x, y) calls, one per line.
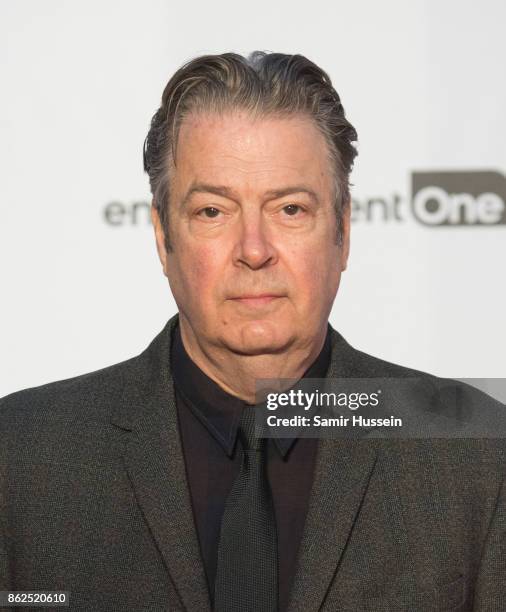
point(255, 266)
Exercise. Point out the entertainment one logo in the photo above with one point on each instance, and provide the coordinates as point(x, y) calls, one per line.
point(449, 198)
point(438, 199)
point(458, 198)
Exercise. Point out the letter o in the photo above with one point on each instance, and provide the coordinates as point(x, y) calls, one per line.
point(420, 205)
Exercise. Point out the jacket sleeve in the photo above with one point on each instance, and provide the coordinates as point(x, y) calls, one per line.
point(5, 579)
point(490, 589)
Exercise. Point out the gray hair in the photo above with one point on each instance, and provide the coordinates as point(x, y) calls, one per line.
point(264, 84)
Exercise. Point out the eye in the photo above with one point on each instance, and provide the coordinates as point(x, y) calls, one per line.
point(292, 209)
point(210, 212)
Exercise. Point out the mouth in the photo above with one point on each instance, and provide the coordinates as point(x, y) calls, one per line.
point(256, 300)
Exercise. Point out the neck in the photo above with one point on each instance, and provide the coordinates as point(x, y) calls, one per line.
point(238, 374)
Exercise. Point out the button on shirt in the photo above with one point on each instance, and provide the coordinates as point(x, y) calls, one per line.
point(208, 422)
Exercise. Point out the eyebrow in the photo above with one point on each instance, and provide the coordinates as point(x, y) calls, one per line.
point(226, 192)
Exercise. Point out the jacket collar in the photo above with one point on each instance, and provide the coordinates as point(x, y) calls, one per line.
point(217, 410)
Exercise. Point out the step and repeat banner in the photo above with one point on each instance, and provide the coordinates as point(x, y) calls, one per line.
point(423, 83)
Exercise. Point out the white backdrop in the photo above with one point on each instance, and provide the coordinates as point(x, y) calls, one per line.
point(422, 81)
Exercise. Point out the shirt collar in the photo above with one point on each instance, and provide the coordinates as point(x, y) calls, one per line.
point(218, 410)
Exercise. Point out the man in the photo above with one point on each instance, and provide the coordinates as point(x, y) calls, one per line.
point(141, 487)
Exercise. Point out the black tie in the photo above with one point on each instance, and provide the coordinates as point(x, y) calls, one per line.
point(247, 570)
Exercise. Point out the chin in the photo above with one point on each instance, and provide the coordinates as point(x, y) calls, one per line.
point(258, 337)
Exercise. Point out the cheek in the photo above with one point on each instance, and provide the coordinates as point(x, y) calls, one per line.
point(314, 269)
point(201, 270)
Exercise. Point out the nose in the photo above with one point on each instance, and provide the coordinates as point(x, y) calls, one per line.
point(254, 247)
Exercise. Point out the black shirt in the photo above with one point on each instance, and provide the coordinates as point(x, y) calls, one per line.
point(208, 421)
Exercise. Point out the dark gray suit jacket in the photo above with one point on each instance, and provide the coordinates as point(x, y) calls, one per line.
point(94, 500)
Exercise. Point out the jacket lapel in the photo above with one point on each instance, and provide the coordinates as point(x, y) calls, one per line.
point(154, 460)
point(342, 475)
point(343, 470)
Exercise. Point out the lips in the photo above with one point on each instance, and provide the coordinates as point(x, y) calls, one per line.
point(256, 297)
point(256, 300)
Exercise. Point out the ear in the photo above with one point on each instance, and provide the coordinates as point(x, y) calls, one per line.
point(160, 238)
point(345, 248)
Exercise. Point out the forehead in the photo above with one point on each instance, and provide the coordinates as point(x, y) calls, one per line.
point(252, 154)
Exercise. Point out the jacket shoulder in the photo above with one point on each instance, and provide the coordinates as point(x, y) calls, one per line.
point(86, 396)
point(349, 361)
point(363, 365)
point(437, 408)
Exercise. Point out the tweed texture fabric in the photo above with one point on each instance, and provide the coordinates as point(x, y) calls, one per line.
point(94, 500)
